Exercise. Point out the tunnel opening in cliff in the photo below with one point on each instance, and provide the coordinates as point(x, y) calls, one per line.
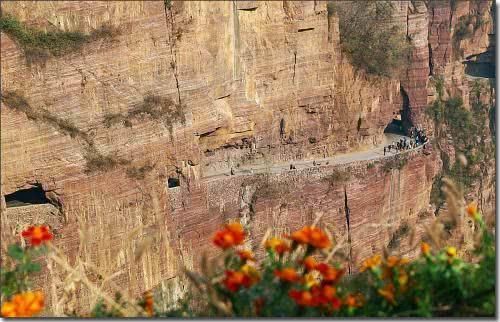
point(401, 119)
point(395, 125)
point(173, 182)
point(24, 197)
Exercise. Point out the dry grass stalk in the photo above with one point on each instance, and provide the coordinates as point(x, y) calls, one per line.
point(58, 257)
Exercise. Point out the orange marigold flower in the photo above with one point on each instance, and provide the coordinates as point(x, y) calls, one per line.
point(329, 291)
point(287, 274)
point(312, 236)
point(236, 228)
point(425, 248)
point(329, 273)
point(246, 255)
point(232, 234)
point(325, 295)
point(309, 263)
point(350, 301)
point(235, 279)
point(393, 261)
point(24, 304)
point(302, 298)
point(354, 300)
point(318, 238)
point(277, 245)
point(371, 262)
point(300, 236)
point(336, 303)
point(36, 235)
point(388, 293)
point(148, 302)
point(472, 209)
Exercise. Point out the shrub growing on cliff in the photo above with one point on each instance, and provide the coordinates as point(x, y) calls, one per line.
point(98, 162)
point(464, 29)
point(40, 45)
point(466, 130)
point(368, 38)
point(155, 107)
point(17, 101)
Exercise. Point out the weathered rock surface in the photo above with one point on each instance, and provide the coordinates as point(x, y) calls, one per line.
point(255, 82)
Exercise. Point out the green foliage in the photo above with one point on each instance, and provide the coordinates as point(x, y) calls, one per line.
point(39, 45)
point(466, 129)
point(436, 284)
point(369, 40)
point(15, 278)
point(464, 29)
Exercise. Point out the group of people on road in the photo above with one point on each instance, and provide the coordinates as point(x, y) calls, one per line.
point(417, 137)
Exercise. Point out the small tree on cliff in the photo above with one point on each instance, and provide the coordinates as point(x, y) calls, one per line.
point(368, 37)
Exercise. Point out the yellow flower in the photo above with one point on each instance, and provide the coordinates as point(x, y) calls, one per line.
point(251, 272)
point(402, 279)
point(371, 263)
point(451, 251)
point(310, 280)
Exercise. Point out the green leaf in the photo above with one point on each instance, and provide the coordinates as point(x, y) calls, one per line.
point(16, 252)
point(32, 267)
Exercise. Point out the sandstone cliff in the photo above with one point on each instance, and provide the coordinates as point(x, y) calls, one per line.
point(194, 89)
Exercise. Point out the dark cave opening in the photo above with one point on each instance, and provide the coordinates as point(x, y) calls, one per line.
point(173, 182)
point(30, 196)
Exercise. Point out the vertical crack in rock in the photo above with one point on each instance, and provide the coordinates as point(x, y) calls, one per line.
point(294, 65)
point(347, 213)
point(171, 39)
point(452, 7)
point(236, 41)
point(431, 64)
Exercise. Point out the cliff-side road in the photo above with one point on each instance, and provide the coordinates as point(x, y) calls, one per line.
point(372, 154)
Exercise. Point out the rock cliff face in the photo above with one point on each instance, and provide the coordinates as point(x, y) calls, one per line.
point(188, 91)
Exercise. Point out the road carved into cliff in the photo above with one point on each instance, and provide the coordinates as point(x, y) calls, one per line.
point(375, 154)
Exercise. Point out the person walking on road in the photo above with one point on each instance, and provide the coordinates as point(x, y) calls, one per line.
point(384, 150)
